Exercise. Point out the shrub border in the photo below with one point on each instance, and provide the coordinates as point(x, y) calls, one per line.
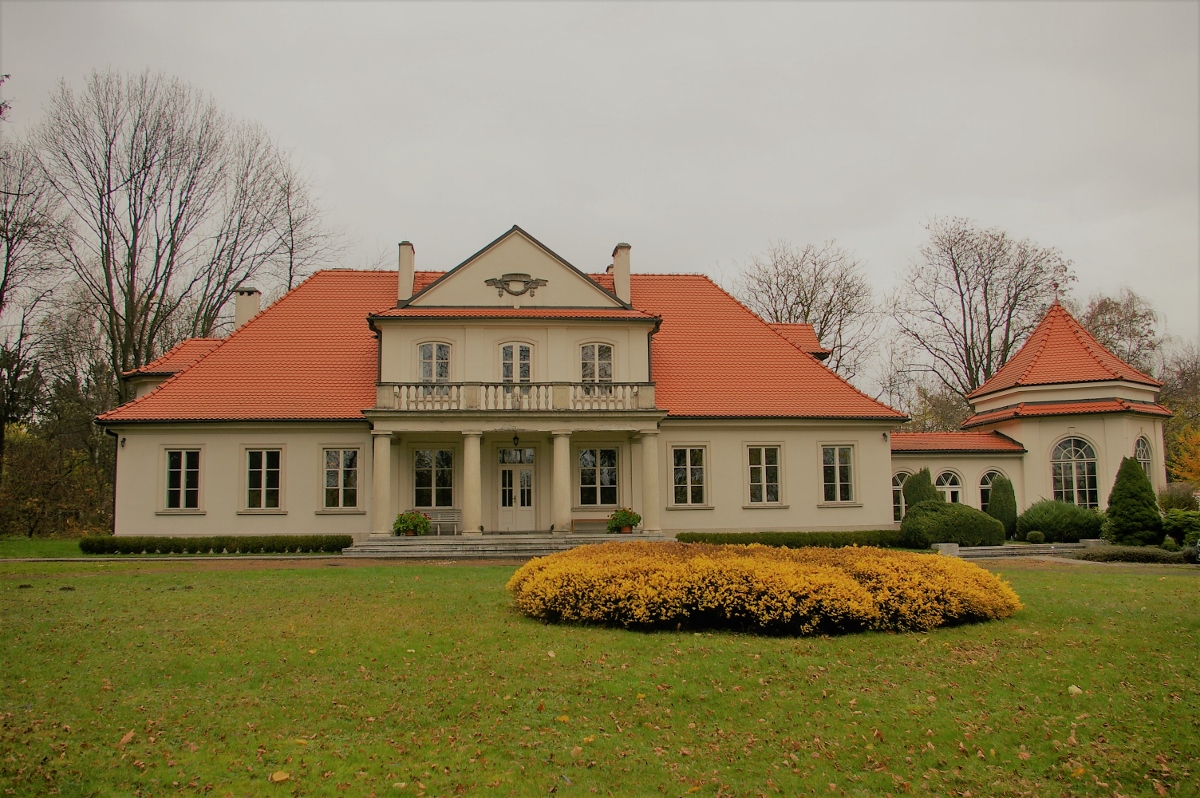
point(219, 544)
point(883, 538)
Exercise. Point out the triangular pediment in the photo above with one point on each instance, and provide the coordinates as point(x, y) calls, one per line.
point(515, 269)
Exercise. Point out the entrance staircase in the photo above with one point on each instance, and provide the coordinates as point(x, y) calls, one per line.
point(486, 547)
point(1026, 550)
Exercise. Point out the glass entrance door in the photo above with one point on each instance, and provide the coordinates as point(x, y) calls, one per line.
point(517, 513)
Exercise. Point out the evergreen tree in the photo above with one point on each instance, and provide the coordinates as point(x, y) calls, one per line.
point(1002, 505)
point(919, 488)
point(1132, 507)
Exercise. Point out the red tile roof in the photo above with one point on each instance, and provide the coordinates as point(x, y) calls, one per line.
point(964, 442)
point(620, 314)
point(1035, 409)
point(803, 337)
point(312, 355)
point(713, 357)
point(1059, 351)
point(182, 355)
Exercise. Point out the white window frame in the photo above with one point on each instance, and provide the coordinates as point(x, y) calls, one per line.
point(947, 490)
point(357, 509)
point(596, 380)
point(748, 502)
point(434, 449)
point(164, 480)
point(420, 362)
point(899, 490)
point(516, 343)
point(245, 508)
point(837, 446)
point(1148, 463)
point(706, 478)
point(1075, 490)
point(577, 477)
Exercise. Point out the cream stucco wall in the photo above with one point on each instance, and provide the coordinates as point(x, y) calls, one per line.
point(475, 348)
point(1112, 436)
point(970, 469)
point(466, 287)
point(141, 479)
point(1076, 392)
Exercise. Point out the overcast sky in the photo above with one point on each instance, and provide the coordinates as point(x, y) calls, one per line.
point(697, 132)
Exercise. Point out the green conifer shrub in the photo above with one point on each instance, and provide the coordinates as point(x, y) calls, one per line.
point(1003, 505)
point(919, 488)
point(1133, 507)
point(1060, 522)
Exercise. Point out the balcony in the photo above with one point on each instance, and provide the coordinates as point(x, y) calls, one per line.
point(515, 397)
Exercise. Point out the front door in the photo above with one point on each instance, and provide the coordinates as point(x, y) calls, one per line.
point(516, 491)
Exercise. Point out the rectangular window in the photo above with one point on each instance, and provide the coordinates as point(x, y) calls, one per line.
point(597, 477)
point(435, 362)
point(764, 474)
point(836, 473)
point(688, 474)
point(341, 478)
point(183, 479)
point(433, 478)
point(595, 365)
point(262, 479)
point(516, 363)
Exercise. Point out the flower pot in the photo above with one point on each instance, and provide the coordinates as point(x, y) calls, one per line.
point(410, 533)
point(626, 530)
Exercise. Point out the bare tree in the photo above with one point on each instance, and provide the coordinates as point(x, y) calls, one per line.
point(29, 233)
point(972, 298)
point(172, 205)
point(818, 285)
point(306, 243)
point(1127, 326)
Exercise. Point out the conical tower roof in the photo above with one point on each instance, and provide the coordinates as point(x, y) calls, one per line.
point(1061, 351)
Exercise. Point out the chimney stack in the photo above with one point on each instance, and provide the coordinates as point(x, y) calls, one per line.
point(404, 286)
point(246, 305)
point(620, 272)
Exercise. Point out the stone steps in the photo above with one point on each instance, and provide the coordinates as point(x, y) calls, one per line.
point(1027, 550)
point(489, 547)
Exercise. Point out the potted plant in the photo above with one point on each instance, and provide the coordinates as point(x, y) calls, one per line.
point(623, 520)
point(413, 522)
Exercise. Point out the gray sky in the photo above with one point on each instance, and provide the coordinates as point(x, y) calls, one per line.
point(697, 132)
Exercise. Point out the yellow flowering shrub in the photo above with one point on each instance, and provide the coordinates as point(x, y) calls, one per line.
point(760, 588)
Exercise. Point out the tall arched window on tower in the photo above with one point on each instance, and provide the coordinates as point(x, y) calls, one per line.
point(1141, 452)
point(898, 496)
point(985, 489)
point(950, 486)
point(1073, 473)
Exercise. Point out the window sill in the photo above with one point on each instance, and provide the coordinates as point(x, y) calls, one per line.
point(595, 508)
point(341, 511)
point(766, 506)
point(262, 511)
point(839, 504)
point(690, 507)
point(180, 512)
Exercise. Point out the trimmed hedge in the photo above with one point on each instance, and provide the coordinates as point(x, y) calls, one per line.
point(919, 488)
point(231, 544)
point(940, 522)
point(1148, 554)
point(1060, 522)
point(1003, 505)
point(882, 538)
point(1183, 525)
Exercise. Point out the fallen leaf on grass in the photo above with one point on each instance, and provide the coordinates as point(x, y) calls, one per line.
point(1022, 755)
point(576, 752)
point(280, 775)
point(125, 740)
point(1073, 690)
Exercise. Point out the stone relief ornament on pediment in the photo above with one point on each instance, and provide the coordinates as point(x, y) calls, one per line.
point(516, 284)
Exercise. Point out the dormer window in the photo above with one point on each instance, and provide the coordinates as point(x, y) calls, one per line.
point(435, 362)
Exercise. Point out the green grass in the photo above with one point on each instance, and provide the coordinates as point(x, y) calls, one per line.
point(358, 678)
point(39, 547)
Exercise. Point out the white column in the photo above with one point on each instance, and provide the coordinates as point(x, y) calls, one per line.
point(651, 504)
point(472, 496)
point(560, 489)
point(381, 483)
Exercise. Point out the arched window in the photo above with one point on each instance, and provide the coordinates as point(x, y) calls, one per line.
point(898, 495)
point(985, 488)
point(949, 486)
point(596, 365)
point(434, 360)
point(1073, 473)
point(1141, 452)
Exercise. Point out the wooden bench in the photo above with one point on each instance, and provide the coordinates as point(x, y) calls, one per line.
point(445, 522)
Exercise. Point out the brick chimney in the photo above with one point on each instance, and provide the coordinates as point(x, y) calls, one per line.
point(247, 305)
point(404, 285)
point(620, 272)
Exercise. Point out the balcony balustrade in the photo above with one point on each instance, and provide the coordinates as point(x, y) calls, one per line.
point(521, 397)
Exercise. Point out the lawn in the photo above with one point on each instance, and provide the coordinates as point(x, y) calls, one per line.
point(39, 547)
point(356, 678)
